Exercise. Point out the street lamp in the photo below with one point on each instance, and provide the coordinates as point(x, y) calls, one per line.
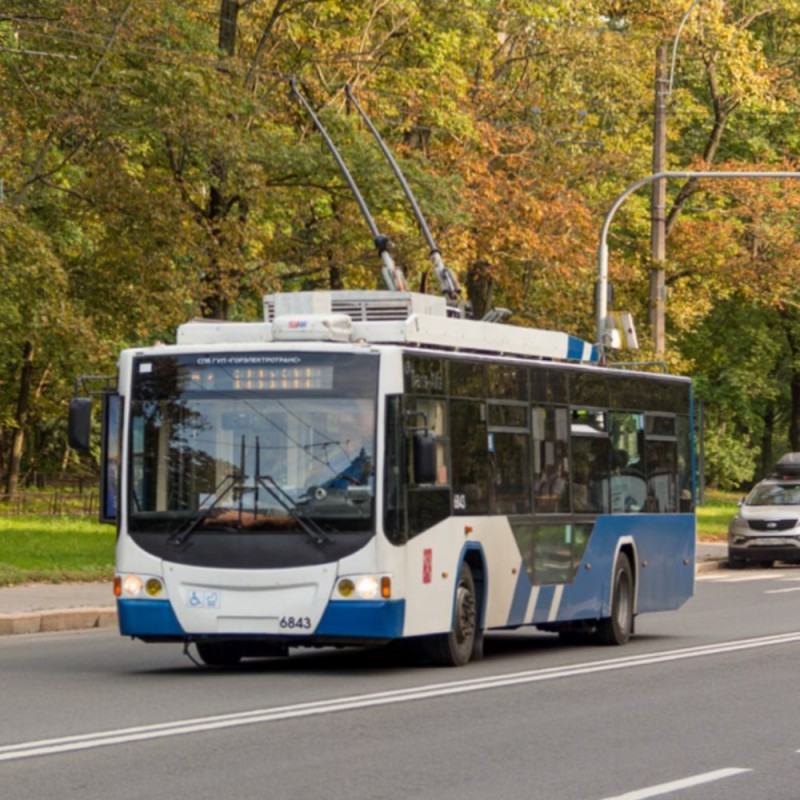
point(603, 329)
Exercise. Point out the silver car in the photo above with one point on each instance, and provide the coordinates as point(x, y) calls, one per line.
point(767, 527)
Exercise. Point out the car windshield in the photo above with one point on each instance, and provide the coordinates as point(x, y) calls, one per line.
point(773, 494)
point(232, 457)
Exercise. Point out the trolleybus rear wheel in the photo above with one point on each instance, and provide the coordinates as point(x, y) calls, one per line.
point(616, 629)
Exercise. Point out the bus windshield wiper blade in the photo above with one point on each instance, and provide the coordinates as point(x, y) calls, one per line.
point(287, 504)
point(179, 538)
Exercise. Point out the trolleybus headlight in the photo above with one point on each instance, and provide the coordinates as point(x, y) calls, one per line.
point(367, 587)
point(142, 586)
point(131, 585)
point(364, 587)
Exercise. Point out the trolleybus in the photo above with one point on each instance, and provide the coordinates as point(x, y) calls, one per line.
point(362, 467)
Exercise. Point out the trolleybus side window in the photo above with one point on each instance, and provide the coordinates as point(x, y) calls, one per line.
point(508, 382)
point(590, 461)
point(550, 460)
point(661, 461)
point(469, 444)
point(628, 485)
point(509, 457)
point(685, 465)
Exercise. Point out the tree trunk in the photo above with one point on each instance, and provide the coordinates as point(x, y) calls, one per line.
point(228, 13)
point(480, 288)
point(767, 437)
point(793, 338)
point(21, 418)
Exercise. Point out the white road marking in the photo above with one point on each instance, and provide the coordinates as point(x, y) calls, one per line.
point(684, 783)
point(782, 591)
point(725, 578)
point(88, 741)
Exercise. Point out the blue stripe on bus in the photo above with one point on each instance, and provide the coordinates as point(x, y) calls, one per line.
point(574, 348)
point(543, 603)
point(664, 547)
point(147, 618)
point(370, 619)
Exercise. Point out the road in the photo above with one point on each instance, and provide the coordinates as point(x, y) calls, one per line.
point(702, 703)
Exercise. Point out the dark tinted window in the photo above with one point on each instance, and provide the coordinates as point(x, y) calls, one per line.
point(425, 375)
point(508, 382)
point(548, 386)
point(467, 379)
point(550, 459)
point(470, 455)
point(511, 467)
point(508, 416)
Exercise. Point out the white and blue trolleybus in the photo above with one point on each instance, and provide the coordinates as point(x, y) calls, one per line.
point(363, 467)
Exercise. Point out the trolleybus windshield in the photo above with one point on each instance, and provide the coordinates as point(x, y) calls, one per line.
point(252, 442)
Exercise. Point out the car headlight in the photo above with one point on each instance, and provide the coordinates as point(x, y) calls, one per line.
point(363, 587)
point(738, 525)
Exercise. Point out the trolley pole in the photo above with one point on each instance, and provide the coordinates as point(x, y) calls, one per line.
point(603, 331)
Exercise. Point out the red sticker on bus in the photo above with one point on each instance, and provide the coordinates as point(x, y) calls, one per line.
point(427, 565)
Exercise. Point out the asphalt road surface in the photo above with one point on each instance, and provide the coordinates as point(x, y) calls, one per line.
point(702, 703)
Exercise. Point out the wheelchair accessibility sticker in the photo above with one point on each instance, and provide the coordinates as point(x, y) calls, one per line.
point(200, 598)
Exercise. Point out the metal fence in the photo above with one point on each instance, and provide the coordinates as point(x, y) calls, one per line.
point(51, 503)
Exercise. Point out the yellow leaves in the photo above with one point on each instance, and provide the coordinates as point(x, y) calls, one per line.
point(734, 57)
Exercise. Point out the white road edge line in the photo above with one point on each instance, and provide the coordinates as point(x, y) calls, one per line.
point(88, 741)
point(782, 591)
point(683, 783)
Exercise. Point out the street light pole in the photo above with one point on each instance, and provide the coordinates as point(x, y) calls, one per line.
point(603, 332)
point(658, 203)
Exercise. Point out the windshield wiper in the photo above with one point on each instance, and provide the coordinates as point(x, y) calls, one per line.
point(179, 538)
point(286, 502)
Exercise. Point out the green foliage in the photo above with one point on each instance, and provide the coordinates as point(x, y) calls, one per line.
point(154, 170)
point(730, 462)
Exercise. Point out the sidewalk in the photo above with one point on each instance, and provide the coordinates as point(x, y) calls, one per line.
point(49, 607)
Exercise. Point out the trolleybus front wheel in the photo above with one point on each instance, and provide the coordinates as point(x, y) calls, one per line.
point(464, 641)
point(616, 629)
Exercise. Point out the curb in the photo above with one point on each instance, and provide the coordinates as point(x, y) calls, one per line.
point(54, 621)
point(710, 565)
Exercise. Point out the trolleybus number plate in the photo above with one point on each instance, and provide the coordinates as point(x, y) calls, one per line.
point(293, 623)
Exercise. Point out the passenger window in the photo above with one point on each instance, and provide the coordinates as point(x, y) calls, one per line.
point(628, 485)
point(470, 456)
point(550, 460)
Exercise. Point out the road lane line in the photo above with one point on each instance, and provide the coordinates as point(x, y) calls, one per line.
point(683, 783)
point(163, 730)
point(782, 591)
point(762, 576)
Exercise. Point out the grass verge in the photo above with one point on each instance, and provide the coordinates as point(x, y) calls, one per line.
point(55, 549)
point(714, 515)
